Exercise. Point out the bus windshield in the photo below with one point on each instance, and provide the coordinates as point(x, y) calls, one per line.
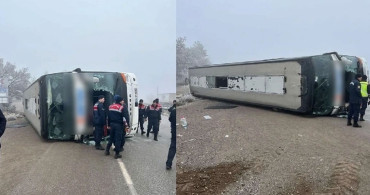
point(64, 98)
point(350, 64)
point(323, 84)
point(58, 106)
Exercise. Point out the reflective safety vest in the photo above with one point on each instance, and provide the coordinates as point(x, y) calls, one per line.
point(364, 89)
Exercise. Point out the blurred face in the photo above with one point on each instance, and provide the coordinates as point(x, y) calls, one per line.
point(102, 100)
point(122, 102)
point(154, 104)
point(141, 102)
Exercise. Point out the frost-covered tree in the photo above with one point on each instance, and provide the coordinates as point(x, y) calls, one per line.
point(186, 57)
point(18, 79)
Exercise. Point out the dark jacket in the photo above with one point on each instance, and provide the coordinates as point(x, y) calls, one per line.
point(2, 124)
point(118, 114)
point(142, 111)
point(355, 92)
point(172, 117)
point(153, 113)
point(99, 114)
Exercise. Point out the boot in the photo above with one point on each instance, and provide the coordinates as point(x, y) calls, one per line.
point(147, 134)
point(155, 138)
point(355, 124)
point(107, 153)
point(142, 132)
point(117, 155)
point(99, 147)
point(349, 123)
point(362, 117)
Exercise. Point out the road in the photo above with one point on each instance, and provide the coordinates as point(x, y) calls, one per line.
point(254, 150)
point(31, 165)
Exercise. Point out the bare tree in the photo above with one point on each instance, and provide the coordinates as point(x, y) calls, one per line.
point(18, 79)
point(187, 57)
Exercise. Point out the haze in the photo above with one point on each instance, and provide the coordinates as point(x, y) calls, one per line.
point(119, 36)
point(240, 30)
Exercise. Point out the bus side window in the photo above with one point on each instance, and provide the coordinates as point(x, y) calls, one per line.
point(26, 103)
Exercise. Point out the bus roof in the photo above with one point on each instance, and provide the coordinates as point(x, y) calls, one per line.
point(261, 61)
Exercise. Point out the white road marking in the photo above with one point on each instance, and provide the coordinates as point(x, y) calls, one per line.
point(127, 177)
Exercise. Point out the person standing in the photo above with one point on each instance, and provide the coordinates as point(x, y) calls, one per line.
point(159, 106)
point(126, 128)
point(355, 99)
point(172, 150)
point(118, 121)
point(365, 88)
point(142, 117)
point(154, 118)
point(99, 121)
point(2, 124)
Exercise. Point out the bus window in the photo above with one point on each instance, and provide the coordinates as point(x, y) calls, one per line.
point(105, 86)
point(351, 68)
point(323, 86)
point(107, 82)
point(211, 81)
point(58, 107)
point(221, 82)
point(55, 106)
point(350, 64)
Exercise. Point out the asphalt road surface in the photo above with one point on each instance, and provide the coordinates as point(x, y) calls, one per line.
point(31, 165)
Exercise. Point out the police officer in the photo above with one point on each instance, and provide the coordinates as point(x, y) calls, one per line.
point(142, 117)
point(355, 99)
point(159, 106)
point(2, 124)
point(365, 96)
point(154, 118)
point(118, 120)
point(126, 124)
point(172, 150)
point(99, 121)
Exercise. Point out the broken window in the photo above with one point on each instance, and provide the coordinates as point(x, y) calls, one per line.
point(104, 82)
point(221, 82)
point(59, 105)
point(350, 64)
point(323, 89)
point(211, 81)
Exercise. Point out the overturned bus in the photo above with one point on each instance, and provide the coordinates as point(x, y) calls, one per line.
point(60, 105)
point(311, 85)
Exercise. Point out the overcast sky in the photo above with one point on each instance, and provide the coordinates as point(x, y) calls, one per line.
point(239, 30)
point(116, 35)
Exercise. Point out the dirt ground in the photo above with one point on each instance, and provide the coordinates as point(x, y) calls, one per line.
point(252, 150)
